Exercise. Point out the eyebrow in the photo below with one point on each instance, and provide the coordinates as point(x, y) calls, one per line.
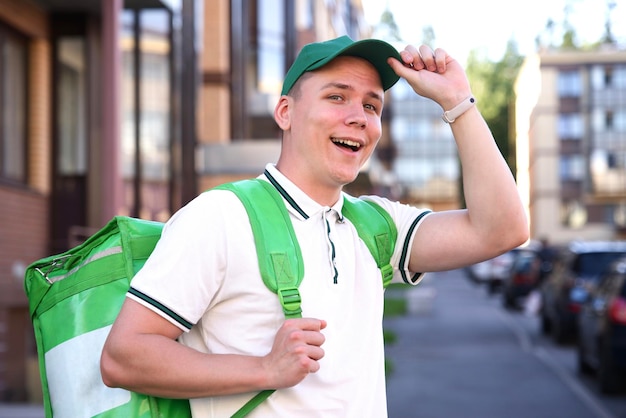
point(343, 86)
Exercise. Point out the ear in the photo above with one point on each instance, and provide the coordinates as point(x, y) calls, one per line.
point(282, 112)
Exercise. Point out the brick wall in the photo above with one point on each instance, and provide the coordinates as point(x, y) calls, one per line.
point(24, 211)
point(23, 239)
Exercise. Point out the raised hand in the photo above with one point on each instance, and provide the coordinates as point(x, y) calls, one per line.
point(433, 74)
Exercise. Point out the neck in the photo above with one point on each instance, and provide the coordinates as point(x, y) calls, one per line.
point(321, 193)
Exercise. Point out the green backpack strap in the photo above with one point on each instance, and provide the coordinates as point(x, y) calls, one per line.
point(280, 257)
point(376, 228)
point(278, 253)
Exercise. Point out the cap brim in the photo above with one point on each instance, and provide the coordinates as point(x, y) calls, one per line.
point(373, 50)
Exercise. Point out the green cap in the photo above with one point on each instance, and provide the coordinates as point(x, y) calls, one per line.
point(316, 55)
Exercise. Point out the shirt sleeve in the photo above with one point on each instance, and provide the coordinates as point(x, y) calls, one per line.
point(188, 265)
point(407, 219)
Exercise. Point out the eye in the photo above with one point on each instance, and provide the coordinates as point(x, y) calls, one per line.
point(370, 107)
point(335, 97)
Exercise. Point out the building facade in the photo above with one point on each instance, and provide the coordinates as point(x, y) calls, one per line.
point(571, 143)
point(426, 171)
point(131, 107)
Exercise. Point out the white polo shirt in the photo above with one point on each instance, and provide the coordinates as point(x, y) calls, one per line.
point(204, 277)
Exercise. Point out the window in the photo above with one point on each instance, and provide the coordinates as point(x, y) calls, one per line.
point(573, 214)
point(619, 120)
point(13, 85)
point(608, 120)
point(271, 47)
point(619, 76)
point(146, 111)
point(72, 130)
point(570, 126)
point(608, 76)
point(572, 167)
point(569, 84)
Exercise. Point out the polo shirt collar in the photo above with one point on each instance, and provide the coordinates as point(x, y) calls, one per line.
point(298, 202)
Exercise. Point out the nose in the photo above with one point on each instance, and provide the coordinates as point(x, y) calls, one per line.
point(357, 117)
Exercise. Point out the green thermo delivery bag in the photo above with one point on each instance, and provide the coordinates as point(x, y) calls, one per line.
point(74, 298)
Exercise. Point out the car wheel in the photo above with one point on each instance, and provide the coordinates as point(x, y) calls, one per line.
point(583, 367)
point(608, 375)
point(545, 323)
point(508, 301)
point(558, 331)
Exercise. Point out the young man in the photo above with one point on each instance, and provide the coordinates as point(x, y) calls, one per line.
point(202, 284)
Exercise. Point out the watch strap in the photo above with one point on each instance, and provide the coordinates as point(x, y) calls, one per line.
point(450, 116)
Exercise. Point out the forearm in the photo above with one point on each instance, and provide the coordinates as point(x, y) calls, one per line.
point(160, 366)
point(492, 199)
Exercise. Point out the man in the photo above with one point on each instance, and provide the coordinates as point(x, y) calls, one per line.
point(202, 284)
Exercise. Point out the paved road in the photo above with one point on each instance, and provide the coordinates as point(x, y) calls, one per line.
point(463, 355)
point(21, 411)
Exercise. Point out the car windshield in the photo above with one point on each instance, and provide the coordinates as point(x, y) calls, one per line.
point(524, 262)
point(593, 264)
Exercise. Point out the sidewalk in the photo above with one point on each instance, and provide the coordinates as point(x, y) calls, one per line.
point(10, 410)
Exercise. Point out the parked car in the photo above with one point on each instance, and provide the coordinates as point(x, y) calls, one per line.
point(479, 272)
point(522, 278)
point(565, 289)
point(491, 272)
point(602, 330)
point(500, 269)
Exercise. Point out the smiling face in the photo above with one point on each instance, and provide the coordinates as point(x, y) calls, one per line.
point(331, 123)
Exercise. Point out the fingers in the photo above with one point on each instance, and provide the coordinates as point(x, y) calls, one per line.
point(296, 351)
point(306, 332)
point(425, 58)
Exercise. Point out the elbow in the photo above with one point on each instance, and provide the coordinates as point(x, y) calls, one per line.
point(516, 232)
point(111, 371)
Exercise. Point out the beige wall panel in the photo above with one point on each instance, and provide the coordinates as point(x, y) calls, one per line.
point(214, 114)
point(39, 136)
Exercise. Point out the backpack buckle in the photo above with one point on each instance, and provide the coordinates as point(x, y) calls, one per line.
point(290, 300)
point(387, 272)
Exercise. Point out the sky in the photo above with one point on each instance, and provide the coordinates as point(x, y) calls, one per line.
point(463, 25)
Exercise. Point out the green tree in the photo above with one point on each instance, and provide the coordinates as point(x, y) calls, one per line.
point(492, 85)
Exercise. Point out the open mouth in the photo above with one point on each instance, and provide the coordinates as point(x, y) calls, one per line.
point(346, 143)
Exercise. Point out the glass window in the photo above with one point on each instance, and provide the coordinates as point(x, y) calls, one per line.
point(597, 77)
point(570, 126)
point(305, 10)
point(155, 94)
point(573, 214)
point(146, 111)
point(72, 131)
point(597, 120)
point(128, 93)
point(271, 47)
point(13, 86)
point(607, 120)
point(619, 76)
point(569, 84)
point(619, 120)
point(572, 167)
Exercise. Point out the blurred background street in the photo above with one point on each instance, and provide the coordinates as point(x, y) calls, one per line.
point(460, 353)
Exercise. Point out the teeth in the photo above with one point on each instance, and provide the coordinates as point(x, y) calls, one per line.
point(346, 142)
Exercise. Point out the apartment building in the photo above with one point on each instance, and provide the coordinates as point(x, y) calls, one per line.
point(130, 107)
point(571, 143)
